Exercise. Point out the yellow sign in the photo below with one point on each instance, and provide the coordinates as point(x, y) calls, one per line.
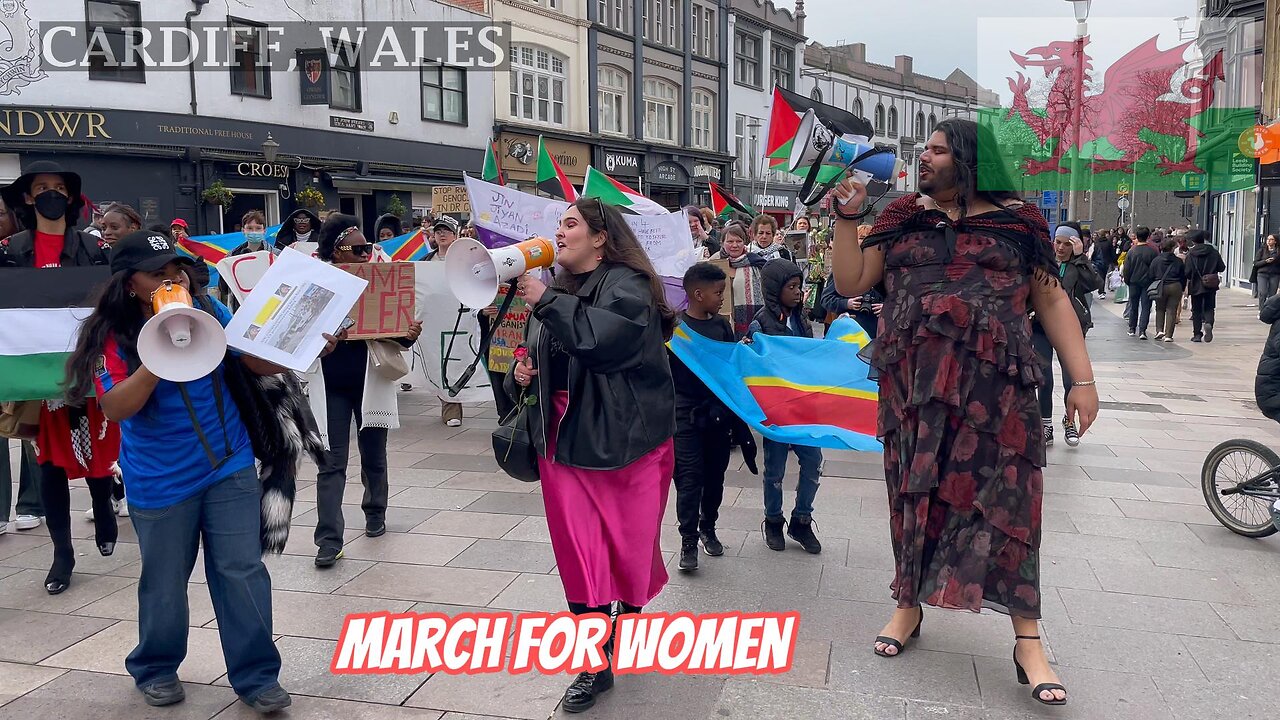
point(449, 199)
point(1122, 188)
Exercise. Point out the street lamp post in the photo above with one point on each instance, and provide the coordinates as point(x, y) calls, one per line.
point(1081, 8)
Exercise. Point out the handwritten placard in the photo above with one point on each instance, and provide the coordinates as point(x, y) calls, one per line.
point(505, 215)
point(509, 335)
point(242, 272)
point(450, 199)
point(666, 240)
point(387, 306)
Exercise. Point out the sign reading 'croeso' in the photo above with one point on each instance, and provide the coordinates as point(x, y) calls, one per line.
point(262, 170)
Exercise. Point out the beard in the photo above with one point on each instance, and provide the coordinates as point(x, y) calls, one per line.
point(938, 181)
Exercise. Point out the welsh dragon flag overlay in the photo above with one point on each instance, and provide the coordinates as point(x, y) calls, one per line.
point(1159, 121)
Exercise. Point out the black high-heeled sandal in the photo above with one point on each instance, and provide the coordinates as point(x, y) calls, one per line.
point(896, 643)
point(59, 577)
point(1024, 680)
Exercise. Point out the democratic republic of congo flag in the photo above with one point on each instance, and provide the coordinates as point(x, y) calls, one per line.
point(410, 247)
point(492, 169)
point(40, 316)
point(600, 185)
point(795, 390)
point(551, 179)
point(724, 203)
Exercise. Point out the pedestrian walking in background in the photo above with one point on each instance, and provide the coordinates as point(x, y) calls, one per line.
point(1203, 266)
point(1137, 275)
point(1266, 269)
point(1170, 271)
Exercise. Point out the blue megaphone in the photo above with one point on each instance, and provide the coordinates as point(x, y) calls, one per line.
point(817, 146)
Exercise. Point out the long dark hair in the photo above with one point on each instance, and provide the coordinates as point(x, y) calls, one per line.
point(115, 314)
point(329, 232)
point(620, 248)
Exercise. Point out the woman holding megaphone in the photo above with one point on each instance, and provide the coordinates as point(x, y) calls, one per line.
point(192, 479)
point(598, 384)
point(959, 374)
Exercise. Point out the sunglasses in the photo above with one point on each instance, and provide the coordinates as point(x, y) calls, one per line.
point(362, 249)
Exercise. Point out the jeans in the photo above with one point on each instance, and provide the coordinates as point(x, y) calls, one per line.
point(28, 482)
point(331, 481)
point(1167, 308)
point(702, 456)
point(1044, 349)
point(1268, 283)
point(775, 467)
point(1203, 309)
point(226, 519)
point(1139, 308)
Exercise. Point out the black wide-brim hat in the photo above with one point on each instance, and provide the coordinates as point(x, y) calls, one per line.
point(13, 193)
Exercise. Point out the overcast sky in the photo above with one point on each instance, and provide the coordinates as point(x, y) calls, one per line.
point(942, 35)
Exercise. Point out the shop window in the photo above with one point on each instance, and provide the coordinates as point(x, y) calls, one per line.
point(250, 62)
point(444, 93)
point(109, 23)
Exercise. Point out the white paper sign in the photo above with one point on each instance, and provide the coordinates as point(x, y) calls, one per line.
point(284, 318)
point(666, 240)
point(511, 213)
point(450, 339)
point(306, 248)
point(242, 272)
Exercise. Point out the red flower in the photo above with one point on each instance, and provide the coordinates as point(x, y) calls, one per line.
point(521, 353)
point(966, 444)
point(961, 489)
point(1027, 594)
point(972, 595)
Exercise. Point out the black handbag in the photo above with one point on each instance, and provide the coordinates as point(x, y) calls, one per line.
point(513, 444)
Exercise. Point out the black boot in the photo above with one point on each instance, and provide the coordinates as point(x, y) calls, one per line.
point(772, 528)
point(689, 554)
point(585, 688)
point(801, 530)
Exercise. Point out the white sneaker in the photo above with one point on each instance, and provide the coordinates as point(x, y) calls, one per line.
point(26, 522)
point(121, 506)
point(453, 422)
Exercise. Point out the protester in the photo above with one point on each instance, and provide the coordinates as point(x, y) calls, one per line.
point(118, 220)
point(1266, 267)
point(192, 484)
point(178, 229)
point(345, 386)
point(958, 373)
point(28, 510)
point(387, 227)
point(783, 315)
point(298, 227)
point(445, 230)
point(702, 245)
point(601, 330)
point(704, 426)
point(1104, 257)
point(72, 442)
point(768, 239)
point(1079, 280)
point(1137, 275)
point(1266, 386)
point(744, 273)
point(254, 226)
point(713, 229)
point(1203, 264)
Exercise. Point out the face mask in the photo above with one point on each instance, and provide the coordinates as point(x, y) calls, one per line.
point(256, 239)
point(52, 205)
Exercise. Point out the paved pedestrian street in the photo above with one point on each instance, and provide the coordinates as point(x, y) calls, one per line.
point(1151, 608)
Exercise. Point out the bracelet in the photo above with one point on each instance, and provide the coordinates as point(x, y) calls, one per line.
point(1084, 383)
point(835, 209)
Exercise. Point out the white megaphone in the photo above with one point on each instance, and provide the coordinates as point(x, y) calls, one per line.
point(474, 271)
point(817, 146)
point(180, 343)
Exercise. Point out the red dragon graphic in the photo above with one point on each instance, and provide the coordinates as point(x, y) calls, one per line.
point(1136, 96)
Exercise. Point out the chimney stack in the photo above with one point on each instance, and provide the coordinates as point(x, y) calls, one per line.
point(903, 64)
point(858, 51)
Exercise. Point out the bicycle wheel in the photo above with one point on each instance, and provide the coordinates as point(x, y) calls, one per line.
point(1228, 465)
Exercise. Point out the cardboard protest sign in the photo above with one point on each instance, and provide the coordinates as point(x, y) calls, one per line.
point(451, 199)
point(450, 339)
point(242, 272)
point(387, 306)
point(509, 335)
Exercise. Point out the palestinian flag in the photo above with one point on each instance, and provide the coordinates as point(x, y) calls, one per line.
point(492, 170)
point(723, 203)
point(40, 316)
point(599, 185)
point(784, 122)
point(551, 179)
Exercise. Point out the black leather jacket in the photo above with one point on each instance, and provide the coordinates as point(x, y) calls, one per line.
point(621, 397)
point(78, 249)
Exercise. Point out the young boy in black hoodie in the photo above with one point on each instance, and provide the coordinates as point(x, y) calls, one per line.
point(704, 426)
point(783, 315)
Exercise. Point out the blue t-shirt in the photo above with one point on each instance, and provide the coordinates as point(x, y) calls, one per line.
point(161, 455)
